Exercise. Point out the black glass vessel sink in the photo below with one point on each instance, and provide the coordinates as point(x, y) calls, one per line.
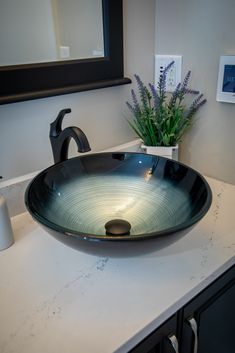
point(117, 197)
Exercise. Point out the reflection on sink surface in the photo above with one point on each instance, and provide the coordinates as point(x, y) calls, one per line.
point(143, 196)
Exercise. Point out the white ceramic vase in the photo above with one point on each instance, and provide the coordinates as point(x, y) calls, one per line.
point(168, 152)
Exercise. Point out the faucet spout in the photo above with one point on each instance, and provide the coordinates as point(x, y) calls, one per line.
point(60, 139)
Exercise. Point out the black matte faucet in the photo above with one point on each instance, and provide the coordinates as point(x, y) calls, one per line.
point(60, 139)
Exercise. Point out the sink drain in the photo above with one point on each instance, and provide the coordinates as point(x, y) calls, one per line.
point(117, 227)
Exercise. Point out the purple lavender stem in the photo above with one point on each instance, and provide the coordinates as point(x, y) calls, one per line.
point(142, 90)
point(175, 95)
point(130, 107)
point(162, 81)
point(135, 101)
point(191, 91)
point(156, 99)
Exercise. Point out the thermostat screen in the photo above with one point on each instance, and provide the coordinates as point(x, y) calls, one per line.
point(229, 78)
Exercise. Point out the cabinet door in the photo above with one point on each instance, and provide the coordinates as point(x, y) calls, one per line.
point(209, 319)
point(162, 340)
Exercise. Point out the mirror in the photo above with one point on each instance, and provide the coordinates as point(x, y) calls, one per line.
point(59, 30)
point(22, 80)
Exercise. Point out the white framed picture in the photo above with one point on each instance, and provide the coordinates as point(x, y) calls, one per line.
point(226, 79)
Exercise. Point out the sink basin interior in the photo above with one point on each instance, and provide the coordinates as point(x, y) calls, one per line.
point(154, 195)
point(86, 204)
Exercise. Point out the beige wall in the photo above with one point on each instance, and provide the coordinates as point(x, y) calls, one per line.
point(24, 127)
point(201, 31)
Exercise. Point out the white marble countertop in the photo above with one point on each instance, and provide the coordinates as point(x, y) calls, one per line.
point(56, 299)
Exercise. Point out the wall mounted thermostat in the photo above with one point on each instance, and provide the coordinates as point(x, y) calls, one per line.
point(226, 79)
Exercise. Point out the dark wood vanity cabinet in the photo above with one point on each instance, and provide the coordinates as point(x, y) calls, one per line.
point(158, 341)
point(209, 319)
point(205, 325)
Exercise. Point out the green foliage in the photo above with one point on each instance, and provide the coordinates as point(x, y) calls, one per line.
point(160, 119)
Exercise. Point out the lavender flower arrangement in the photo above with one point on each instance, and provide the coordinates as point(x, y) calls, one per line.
point(161, 119)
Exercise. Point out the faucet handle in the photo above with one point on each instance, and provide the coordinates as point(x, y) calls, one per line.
point(55, 128)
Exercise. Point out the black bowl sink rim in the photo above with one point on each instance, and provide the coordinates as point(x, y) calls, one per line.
point(51, 226)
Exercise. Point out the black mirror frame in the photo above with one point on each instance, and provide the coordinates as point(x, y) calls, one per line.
point(31, 81)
